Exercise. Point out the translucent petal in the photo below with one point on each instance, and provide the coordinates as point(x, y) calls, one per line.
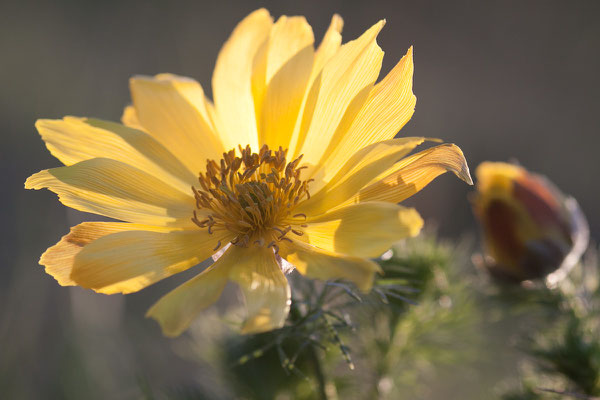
point(265, 288)
point(388, 108)
point(280, 79)
point(173, 110)
point(329, 45)
point(413, 173)
point(126, 262)
point(59, 258)
point(176, 310)
point(232, 80)
point(345, 80)
point(364, 166)
point(72, 140)
point(117, 190)
point(323, 264)
point(255, 269)
point(363, 230)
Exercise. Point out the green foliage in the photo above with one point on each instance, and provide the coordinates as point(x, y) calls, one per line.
point(565, 357)
point(574, 354)
point(526, 393)
point(395, 335)
point(429, 320)
point(415, 334)
point(398, 334)
point(294, 353)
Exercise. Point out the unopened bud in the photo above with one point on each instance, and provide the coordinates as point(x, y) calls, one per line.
point(531, 230)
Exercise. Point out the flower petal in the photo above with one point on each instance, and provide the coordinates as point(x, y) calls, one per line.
point(126, 262)
point(116, 190)
point(287, 37)
point(323, 264)
point(390, 105)
point(329, 45)
point(72, 140)
point(231, 83)
point(358, 171)
point(363, 230)
point(280, 80)
point(254, 269)
point(265, 288)
point(173, 110)
point(345, 80)
point(327, 49)
point(176, 310)
point(413, 173)
point(59, 258)
point(130, 118)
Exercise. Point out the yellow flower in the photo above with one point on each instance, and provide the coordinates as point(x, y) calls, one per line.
point(295, 160)
point(531, 229)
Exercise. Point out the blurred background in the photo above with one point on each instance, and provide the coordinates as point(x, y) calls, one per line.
point(502, 79)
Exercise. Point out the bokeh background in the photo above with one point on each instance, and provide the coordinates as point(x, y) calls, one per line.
point(502, 79)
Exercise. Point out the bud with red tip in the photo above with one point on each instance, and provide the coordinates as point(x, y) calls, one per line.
point(531, 230)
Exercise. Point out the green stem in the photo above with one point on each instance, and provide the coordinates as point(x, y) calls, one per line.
point(313, 357)
point(318, 371)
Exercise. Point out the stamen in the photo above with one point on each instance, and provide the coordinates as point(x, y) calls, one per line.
point(251, 195)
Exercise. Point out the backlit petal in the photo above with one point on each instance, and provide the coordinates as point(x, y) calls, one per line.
point(72, 140)
point(414, 173)
point(232, 80)
point(329, 45)
point(116, 190)
point(176, 310)
point(126, 262)
point(363, 230)
point(59, 258)
point(344, 83)
point(323, 264)
point(173, 110)
point(265, 288)
point(280, 80)
point(389, 107)
point(130, 118)
point(364, 166)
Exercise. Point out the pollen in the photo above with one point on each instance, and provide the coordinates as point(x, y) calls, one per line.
point(251, 195)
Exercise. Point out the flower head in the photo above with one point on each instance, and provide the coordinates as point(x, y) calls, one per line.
point(531, 229)
point(294, 161)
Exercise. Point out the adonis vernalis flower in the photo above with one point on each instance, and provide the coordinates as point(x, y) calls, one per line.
point(531, 229)
point(294, 160)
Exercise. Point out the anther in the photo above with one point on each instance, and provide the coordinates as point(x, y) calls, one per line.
point(285, 231)
point(250, 194)
point(244, 223)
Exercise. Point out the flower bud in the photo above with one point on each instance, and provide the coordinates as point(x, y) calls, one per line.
point(531, 230)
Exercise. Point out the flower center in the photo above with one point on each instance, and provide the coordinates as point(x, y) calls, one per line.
point(251, 196)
